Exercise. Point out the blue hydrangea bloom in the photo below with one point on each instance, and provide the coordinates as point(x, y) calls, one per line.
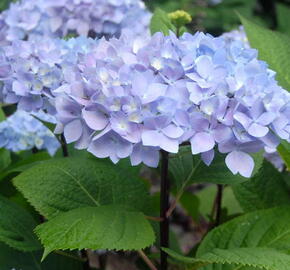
point(270, 154)
point(21, 131)
point(57, 18)
point(31, 70)
point(132, 98)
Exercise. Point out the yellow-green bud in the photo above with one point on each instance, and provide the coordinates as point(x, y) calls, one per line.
point(179, 18)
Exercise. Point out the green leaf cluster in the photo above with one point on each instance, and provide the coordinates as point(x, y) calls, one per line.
point(89, 203)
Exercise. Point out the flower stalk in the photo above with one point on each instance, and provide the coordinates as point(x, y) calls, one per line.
point(164, 206)
point(218, 205)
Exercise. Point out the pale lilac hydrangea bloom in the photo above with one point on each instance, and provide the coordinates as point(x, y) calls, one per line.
point(270, 154)
point(128, 98)
point(21, 131)
point(31, 70)
point(57, 18)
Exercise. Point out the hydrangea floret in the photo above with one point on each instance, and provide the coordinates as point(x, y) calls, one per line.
point(133, 99)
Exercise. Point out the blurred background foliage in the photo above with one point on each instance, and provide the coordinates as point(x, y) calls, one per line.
point(218, 16)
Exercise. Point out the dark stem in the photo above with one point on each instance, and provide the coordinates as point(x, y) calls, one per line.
point(102, 261)
point(86, 263)
point(34, 150)
point(218, 205)
point(164, 206)
point(63, 146)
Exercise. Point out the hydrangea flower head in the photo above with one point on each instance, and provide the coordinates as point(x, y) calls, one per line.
point(29, 18)
point(21, 131)
point(137, 98)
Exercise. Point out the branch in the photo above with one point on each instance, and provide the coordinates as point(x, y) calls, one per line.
point(147, 260)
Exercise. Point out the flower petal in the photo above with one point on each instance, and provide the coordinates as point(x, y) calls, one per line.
point(240, 162)
point(201, 142)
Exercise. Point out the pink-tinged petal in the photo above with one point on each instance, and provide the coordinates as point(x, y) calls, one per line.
point(146, 154)
point(219, 74)
point(196, 95)
point(222, 133)
point(83, 28)
point(124, 149)
point(95, 120)
point(139, 84)
point(257, 130)
point(204, 84)
point(151, 138)
point(65, 88)
point(280, 122)
point(207, 157)
point(84, 141)
point(243, 119)
point(193, 76)
point(204, 66)
point(150, 156)
point(154, 91)
point(266, 118)
point(55, 23)
point(240, 162)
point(73, 131)
point(136, 156)
point(182, 118)
point(114, 158)
point(257, 109)
point(134, 136)
point(271, 140)
point(201, 142)
point(169, 145)
point(100, 149)
point(227, 146)
point(173, 131)
point(19, 88)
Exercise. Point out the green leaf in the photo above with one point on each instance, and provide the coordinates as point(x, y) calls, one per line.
point(186, 169)
point(106, 227)
point(2, 115)
point(283, 12)
point(273, 47)
point(190, 203)
point(263, 228)
point(207, 196)
point(4, 4)
point(265, 190)
point(251, 258)
point(16, 227)
point(13, 259)
point(24, 164)
point(5, 159)
point(160, 22)
point(60, 185)
point(284, 151)
point(260, 239)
